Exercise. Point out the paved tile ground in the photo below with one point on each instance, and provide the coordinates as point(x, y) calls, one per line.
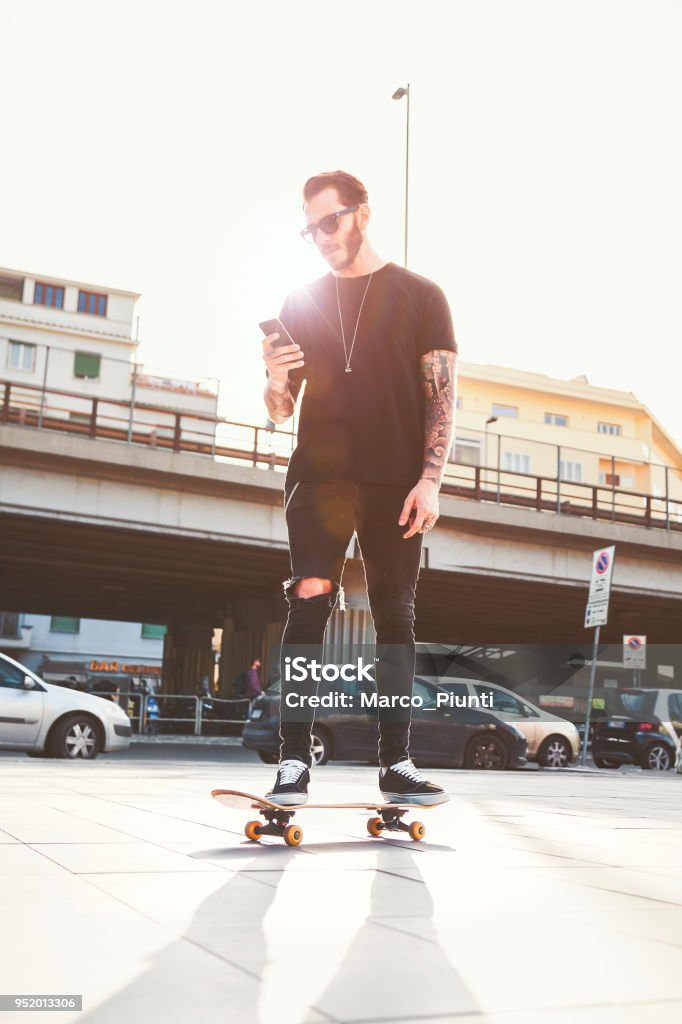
point(536, 897)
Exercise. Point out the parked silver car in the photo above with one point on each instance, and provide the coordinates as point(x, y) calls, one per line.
point(53, 721)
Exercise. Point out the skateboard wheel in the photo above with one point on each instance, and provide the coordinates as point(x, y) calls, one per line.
point(252, 830)
point(374, 827)
point(417, 830)
point(293, 835)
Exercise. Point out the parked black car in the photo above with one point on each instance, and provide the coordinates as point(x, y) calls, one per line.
point(639, 729)
point(439, 737)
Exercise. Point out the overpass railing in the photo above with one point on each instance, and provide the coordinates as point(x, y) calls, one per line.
point(142, 423)
point(551, 494)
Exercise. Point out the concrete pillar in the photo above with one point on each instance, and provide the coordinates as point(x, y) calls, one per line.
point(349, 630)
point(187, 656)
point(252, 629)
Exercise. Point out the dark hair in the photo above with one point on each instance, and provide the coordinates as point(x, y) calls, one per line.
point(350, 189)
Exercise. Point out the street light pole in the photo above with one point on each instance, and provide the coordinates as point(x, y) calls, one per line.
point(491, 419)
point(398, 95)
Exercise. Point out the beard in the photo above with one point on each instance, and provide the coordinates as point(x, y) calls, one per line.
point(352, 247)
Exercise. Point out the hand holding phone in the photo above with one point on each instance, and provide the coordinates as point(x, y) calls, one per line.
point(280, 351)
point(269, 327)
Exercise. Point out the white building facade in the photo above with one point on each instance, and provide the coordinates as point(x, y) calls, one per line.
point(68, 356)
point(68, 361)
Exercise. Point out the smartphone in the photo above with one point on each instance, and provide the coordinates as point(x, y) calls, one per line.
point(276, 327)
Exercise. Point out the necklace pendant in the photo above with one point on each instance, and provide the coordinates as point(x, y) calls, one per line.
point(348, 369)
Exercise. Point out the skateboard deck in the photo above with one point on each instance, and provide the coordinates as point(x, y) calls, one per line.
point(277, 817)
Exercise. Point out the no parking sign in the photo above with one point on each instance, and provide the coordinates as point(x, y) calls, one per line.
point(634, 652)
point(596, 614)
point(597, 610)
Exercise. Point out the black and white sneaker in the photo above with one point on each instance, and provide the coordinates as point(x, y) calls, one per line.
point(291, 785)
point(403, 784)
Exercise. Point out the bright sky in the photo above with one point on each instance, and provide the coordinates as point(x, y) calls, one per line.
point(161, 147)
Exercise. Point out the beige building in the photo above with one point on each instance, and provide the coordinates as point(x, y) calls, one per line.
point(68, 348)
point(520, 424)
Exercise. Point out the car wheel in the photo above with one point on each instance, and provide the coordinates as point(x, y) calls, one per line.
point(555, 752)
point(267, 757)
point(486, 751)
point(657, 757)
point(76, 736)
point(603, 762)
point(320, 746)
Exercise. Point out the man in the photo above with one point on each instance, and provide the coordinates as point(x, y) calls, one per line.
point(253, 684)
point(375, 345)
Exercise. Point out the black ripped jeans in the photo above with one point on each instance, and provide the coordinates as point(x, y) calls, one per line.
point(321, 519)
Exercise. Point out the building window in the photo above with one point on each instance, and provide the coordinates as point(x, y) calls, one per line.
point(504, 410)
point(21, 356)
point(466, 451)
point(609, 428)
point(86, 364)
point(48, 295)
point(11, 288)
point(458, 402)
point(151, 632)
point(64, 624)
point(9, 624)
point(617, 480)
point(556, 419)
point(571, 470)
point(92, 302)
point(516, 462)
point(80, 418)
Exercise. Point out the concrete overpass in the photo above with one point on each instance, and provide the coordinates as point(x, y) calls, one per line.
point(97, 528)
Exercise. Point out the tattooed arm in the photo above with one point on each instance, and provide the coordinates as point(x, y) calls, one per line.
point(438, 377)
point(438, 370)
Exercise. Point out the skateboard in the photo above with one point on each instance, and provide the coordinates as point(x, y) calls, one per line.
point(278, 818)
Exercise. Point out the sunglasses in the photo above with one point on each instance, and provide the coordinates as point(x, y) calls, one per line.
point(329, 224)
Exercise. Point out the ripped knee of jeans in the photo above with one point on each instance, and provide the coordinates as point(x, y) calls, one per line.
point(326, 598)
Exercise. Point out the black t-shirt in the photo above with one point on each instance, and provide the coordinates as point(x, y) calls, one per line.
point(367, 425)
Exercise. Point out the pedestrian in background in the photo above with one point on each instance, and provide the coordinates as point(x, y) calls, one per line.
point(153, 714)
point(253, 683)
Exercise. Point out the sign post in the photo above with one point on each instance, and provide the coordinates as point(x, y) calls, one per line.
point(634, 655)
point(596, 615)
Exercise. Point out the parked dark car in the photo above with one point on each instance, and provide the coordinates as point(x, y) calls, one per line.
point(179, 712)
point(439, 736)
point(639, 729)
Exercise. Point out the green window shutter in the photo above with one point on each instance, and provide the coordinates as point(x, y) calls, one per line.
point(86, 364)
point(150, 632)
point(64, 624)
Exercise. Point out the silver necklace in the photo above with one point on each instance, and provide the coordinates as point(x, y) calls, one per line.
point(347, 354)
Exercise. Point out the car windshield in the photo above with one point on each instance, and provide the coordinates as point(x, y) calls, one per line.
point(633, 703)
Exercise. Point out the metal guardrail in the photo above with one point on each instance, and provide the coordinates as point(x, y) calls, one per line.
point(199, 433)
point(156, 426)
point(197, 715)
point(551, 494)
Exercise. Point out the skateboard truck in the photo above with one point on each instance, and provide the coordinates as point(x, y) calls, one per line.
point(276, 824)
point(391, 821)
